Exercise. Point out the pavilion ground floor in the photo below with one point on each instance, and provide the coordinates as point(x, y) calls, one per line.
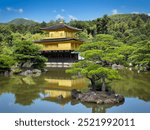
point(60, 58)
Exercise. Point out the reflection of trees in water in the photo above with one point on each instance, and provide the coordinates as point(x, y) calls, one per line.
point(26, 89)
point(133, 85)
point(26, 98)
point(96, 108)
point(101, 108)
point(57, 73)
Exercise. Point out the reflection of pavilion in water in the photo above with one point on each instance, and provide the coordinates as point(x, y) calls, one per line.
point(59, 90)
point(61, 87)
point(100, 108)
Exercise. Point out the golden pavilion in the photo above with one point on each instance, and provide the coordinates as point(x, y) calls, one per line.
point(61, 43)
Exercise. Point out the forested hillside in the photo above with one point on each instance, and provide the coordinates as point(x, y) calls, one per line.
point(126, 27)
point(131, 29)
point(22, 21)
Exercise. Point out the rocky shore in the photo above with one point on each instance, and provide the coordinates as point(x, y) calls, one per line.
point(98, 97)
point(27, 72)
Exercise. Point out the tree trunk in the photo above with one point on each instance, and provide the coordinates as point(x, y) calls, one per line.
point(93, 84)
point(103, 84)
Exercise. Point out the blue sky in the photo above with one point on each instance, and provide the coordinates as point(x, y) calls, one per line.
point(46, 10)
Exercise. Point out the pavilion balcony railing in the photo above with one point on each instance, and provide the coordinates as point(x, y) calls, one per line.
point(62, 60)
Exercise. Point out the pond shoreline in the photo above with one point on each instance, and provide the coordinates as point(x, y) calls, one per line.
point(43, 93)
point(25, 72)
point(98, 97)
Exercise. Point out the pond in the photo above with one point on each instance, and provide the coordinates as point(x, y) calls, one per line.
point(41, 94)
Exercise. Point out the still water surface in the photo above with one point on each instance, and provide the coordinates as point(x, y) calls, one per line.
point(40, 94)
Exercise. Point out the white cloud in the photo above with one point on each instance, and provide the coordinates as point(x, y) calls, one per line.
point(10, 9)
point(114, 11)
point(71, 17)
point(135, 12)
point(148, 14)
point(58, 16)
point(20, 10)
point(27, 18)
point(62, 10)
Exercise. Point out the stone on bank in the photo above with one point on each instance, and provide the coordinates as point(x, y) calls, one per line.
point(98, 97)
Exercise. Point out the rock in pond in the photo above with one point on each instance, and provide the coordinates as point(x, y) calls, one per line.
point(60, 97)
point(117, 67)
point(34, 72)
point(6, 73)
point(25, 73)
point(98, 97)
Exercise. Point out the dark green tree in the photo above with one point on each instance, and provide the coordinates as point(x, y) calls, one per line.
point(6, 62)
point(141, 55)
point(102, 25)
point(43, 24)
point(26, 51)
point(139, 22)
point(6, 58)
point(98, 58)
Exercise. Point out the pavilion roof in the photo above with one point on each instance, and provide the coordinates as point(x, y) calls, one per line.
point(60, 26)
point(57, 40)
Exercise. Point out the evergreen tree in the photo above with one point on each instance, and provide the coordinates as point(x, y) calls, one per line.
point(26, 51)
point(102, 25)
point(98, 58)
point(141, 55)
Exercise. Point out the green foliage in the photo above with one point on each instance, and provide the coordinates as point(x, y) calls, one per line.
point(26, 51)
point(102, 25)
point(87, 26)
point(126, 51)
point(21, 53)
point(105, 50)
point(141, 55)
point(98, 58)
point(103, 37)
point(84, 36)
point(6, 57)
point(15, 50)
point(130, 29)
point(6, 62)
point(21, 21)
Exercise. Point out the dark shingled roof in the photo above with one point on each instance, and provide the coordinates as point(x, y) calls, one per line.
point(60, 27)
point(57, 40)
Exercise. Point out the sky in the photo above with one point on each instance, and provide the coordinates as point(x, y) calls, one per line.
point(46, 10)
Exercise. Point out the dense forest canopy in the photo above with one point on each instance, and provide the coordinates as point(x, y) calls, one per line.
point(126, 27)
point(133, 30)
